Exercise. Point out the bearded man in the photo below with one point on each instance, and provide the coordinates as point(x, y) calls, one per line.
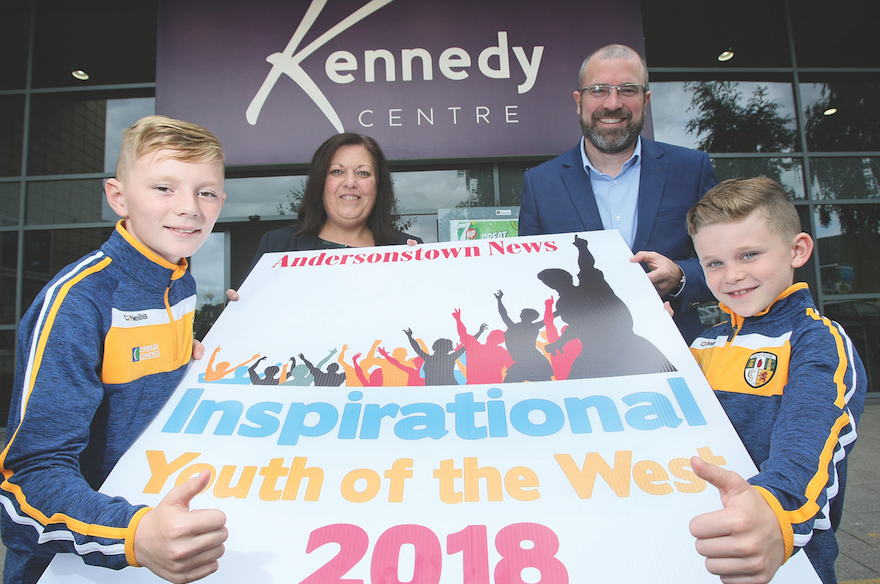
point(616, 179)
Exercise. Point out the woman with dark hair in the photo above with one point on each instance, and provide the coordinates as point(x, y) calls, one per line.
point(348, 202)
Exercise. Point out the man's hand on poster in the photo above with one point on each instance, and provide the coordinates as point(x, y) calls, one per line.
point(664, 273)
point(743, 542)
point(177, 544)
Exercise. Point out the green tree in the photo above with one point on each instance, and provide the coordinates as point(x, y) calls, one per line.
point(724, 122)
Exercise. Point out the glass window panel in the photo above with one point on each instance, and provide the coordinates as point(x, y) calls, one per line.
point(786, 171)
point(11, 133)
point(845, 178)
point(423, 226)
point(8, 280)
point(422, 190)
point(122, 113)
point(7, 371)
point(861, 320)
point(114, 42)
point(67, 201)
point(15, 25)
point(831, 35)
point(264, 196)
point(855, 121)
point(725, 116)
point(844, 233)
point(208, 267)
point(9, 197)
point(692, 33)
point(68, 131)
point(510, 178)
point(46, 252)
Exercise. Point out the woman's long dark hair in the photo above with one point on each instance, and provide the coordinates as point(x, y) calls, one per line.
point(312, 214)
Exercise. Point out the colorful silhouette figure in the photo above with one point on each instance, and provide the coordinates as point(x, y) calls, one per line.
point(485, 362)
point(298, 375)
point(269, 374)
point(564, 357)
point(375, 379)
point(330, 378)
point(601, 321)
point(439, 366)
point(412, 372)
point(394, 375)
point(530, 364)
point(351, 378)
point(222, 369)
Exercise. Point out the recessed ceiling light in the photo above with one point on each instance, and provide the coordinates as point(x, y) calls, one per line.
point(726, 55)
point(830, 111)
point(80, 74)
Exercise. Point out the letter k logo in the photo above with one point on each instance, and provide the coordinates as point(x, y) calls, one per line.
point(288, 62)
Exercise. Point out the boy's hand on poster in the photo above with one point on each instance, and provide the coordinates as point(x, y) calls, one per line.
point(743, 542)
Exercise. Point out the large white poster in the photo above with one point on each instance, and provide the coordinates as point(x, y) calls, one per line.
point(506, 411)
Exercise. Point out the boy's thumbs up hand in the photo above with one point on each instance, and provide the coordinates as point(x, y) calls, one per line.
point(742, 542)
point(177, 544)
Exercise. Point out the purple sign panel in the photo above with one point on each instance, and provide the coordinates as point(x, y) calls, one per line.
point(459, 78)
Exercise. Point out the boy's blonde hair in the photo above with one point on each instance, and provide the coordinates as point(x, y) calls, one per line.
point(736, 198)
point(190, 142)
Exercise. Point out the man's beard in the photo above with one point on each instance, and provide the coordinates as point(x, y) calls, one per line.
point(612, 140)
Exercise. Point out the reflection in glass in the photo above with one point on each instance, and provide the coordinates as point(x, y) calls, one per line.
point(423, 190)
point(207, 266)
point(789, 173)
point(66, 135)
point(861, 320)
point(846, 178)
point(122, 113)
point(725, 116)
point(7, 370)
point(262, 196)
point(845, 233)
point(9, 197)
point(854, 126)
point(8, 264)
point(67, 201)
point(423, 226)
point(11, 133)
point(46, 252)
point(510, 178)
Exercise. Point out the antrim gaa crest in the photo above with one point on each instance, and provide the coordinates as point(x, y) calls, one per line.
point(760, 369)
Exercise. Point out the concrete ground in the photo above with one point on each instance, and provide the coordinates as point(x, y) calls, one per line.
point(859, 532)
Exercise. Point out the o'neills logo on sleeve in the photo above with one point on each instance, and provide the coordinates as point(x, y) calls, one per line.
point(135, 317)
point(145, 352)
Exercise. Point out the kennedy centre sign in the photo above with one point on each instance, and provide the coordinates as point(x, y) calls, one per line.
point(275, 78)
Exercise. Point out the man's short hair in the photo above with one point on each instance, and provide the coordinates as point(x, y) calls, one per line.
point(612, 52)
point(736, 198)
point(190, 142)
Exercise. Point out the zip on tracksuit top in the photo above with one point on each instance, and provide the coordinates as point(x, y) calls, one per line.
point(794, 389)
point(99, 352)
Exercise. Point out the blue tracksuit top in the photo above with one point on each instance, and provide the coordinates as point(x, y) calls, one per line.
point(794, 388)
point(99, 352)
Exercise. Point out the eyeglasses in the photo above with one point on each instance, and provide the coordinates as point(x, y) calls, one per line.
point(625, 91)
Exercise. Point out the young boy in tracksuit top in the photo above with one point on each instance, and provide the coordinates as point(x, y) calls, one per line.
point(99, 352)
point(789, 380)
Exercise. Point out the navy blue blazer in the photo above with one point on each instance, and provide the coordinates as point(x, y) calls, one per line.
point(557, 197)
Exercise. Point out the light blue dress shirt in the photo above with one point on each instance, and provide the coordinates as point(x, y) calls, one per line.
point(618, 197)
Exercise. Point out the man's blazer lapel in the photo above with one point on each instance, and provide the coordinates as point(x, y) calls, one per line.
point(652, 181)
point(580, 190)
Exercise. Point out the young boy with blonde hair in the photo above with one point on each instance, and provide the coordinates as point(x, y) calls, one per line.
point(789, 380)
point(99, 352)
